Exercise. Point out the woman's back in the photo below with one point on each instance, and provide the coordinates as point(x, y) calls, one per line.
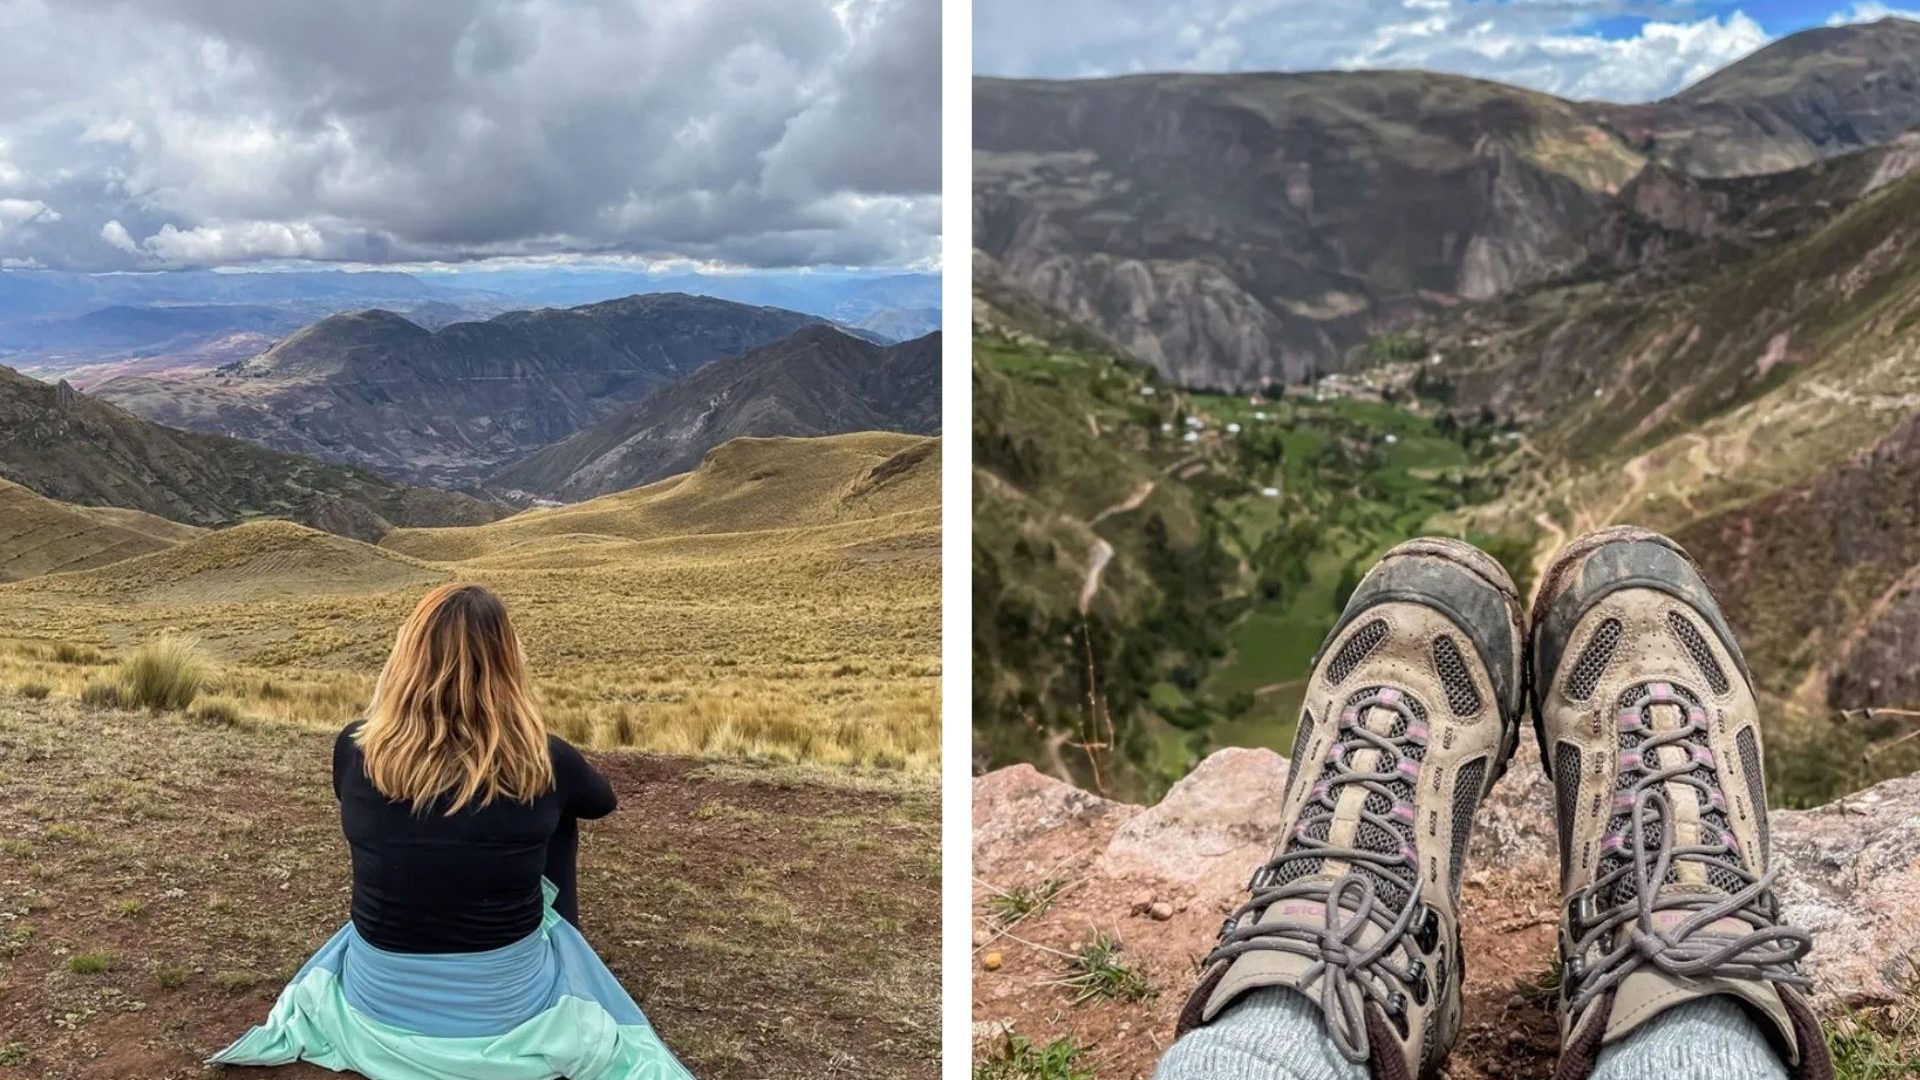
point(425, 881)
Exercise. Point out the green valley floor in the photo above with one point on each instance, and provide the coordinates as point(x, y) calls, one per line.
point(160, 877)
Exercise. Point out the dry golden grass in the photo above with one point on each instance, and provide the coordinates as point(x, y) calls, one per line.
point(41, 536)
point(780, 603)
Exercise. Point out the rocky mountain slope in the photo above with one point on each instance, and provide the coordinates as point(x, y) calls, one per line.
point(1236, 230)
point(819, 381)
point(1158, 879)
point(70, 447)
point(1815, 94)
point(448, 406)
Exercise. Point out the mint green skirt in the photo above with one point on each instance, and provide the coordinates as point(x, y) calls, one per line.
point(541, 1008)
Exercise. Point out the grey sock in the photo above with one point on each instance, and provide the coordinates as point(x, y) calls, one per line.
point(1268, 1034)
point(1708, 1039)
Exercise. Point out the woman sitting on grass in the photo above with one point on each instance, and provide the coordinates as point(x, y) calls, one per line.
point(461, 961)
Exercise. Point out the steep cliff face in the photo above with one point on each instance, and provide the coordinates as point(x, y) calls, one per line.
point(1160, 878)
point(1238, 229)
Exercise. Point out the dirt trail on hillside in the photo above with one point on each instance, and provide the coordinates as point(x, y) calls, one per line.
point(771, 922)
point(1102, 552)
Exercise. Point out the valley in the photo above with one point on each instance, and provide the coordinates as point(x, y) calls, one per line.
point(1710, 332)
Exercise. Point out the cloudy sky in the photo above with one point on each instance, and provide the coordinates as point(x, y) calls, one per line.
point(1619, 50)
point(139, 134)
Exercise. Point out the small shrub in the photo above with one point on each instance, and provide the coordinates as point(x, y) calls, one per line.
point(92, 962)
point(14, 1053)
point(35, 691)
point(129, 907)
point(165, 675)
point(170, 976)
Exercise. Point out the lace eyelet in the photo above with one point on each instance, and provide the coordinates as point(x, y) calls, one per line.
point(1426, 933)
point(1417, 979)
point(1397, 1011)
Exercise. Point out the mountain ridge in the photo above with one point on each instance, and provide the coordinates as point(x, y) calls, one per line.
point(816, 381)
point(1237, 230)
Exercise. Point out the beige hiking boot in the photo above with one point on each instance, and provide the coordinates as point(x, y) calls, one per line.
point(1649, 729)
point(1412, 712)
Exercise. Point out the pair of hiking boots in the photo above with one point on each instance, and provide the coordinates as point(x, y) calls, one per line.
point(1649, 730)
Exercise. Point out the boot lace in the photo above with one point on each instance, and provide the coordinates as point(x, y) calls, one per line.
point(1380, 888)
point(1636, 914)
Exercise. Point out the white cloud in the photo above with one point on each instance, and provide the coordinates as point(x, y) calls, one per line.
point(117, 237)
point(1542, 44)
point(1871, 11)
point(243, 242)
point(26, 212)
point(392, 130)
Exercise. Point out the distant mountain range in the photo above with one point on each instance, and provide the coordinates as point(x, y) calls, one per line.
point(1246, 229)
point(452, 405)
point(819, 381)
point(55, 323)
point(64, 445)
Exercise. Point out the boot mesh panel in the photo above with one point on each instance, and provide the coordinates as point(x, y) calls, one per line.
point(1714, 821)
point(1355, 649)
point(1593, 661)
point(1692, 640)
point(1392, 884)
point(1466, 800)
point(1749, 746)
point(1462, 698)
point(1566, 777)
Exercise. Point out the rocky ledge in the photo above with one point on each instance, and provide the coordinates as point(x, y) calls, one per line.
point(1159, 879)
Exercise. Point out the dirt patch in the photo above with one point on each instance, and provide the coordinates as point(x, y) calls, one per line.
point(1509, 1029)
point(772, 922)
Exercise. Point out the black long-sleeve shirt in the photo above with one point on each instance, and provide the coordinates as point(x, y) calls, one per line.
point(433, 883)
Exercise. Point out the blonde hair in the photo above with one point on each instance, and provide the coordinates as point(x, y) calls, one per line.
point(451, 714)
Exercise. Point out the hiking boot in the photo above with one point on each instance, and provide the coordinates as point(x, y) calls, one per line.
point(1650, 732)
point(1412, 711)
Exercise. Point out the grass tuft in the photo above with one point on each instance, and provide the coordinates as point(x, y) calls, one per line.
point(1011, 906)
point(1875, 1044)
point(92, 962)
point(35, 691)
point(164, 674)
point(1099, 971)
point(1017, 1058)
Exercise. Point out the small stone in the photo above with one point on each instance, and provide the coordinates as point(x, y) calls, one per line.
point(1161, 911)
point(1142, 901)
point(981, 935)
point(991, 961)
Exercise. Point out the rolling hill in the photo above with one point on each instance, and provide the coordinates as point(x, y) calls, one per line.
point(41, 536)
point(746, 486)
point(447, 406)
point(1247, 229)
point(782, 600)
point(819, 381)
point(68, 446)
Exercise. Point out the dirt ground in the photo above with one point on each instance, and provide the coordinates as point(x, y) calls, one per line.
point(1507, 931)
point(772, 922)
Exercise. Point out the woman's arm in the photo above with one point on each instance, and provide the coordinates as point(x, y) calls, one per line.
point(587, 793)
